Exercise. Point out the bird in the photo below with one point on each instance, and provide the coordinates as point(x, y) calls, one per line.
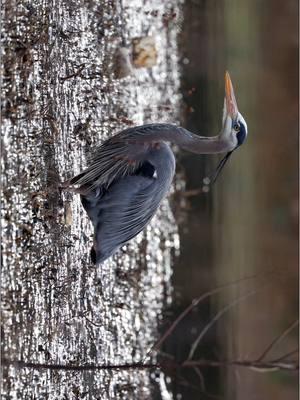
point(129, 174)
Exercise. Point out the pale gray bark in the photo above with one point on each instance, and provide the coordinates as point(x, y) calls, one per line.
point(59, 99)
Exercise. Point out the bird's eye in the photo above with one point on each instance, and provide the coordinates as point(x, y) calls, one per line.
point(236, 126)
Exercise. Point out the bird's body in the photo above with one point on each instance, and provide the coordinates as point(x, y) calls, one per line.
point(121, 210)
point(130, 173)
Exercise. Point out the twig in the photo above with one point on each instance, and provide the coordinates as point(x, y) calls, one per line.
point(215, 318)
point(201, 378)
point(278, 339)
point(185, 383)
point(86, 367)
point(258, 366)
point(290, 353)
point(194, 303)
point(190, 193)
point(74, 75)
point(253, 364)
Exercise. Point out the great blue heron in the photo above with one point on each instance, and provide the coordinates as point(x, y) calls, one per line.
point(130, 173)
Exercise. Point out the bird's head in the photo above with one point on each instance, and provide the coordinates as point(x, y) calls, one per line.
point(234, 127)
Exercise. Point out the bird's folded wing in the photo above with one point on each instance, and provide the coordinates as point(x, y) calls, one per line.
point(120, 155)
point(126, 208)
point(112, 160)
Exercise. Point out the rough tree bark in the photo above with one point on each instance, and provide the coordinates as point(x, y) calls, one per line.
point(59, 98)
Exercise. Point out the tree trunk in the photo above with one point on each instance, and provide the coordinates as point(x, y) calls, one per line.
point(60, 97)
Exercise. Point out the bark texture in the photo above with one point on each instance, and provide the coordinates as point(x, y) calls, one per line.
point(60, 97)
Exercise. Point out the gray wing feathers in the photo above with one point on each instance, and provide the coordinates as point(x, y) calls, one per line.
point(108, 163)
point(131, 211)
point(119, 156)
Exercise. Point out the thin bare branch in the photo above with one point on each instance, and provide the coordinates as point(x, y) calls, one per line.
point(190, 193)
point(86, 367)
point(278, 339)
point(183, 382)
point(170, 365)
point(215, 318)
point(201, 378)
point(285, 356)
point(257, 366)
point(194, 303)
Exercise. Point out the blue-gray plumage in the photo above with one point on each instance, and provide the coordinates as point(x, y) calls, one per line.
point(122, 210)
point(130, 173)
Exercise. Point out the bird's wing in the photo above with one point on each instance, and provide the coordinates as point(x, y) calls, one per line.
point(125, 210)
point(109, 163)
point(119, 156)
point(114, 159)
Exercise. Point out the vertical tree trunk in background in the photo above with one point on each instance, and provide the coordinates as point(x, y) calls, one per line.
point(60, 98)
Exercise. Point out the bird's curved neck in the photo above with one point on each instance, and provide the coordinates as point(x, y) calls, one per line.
point(202, 144)
point(184, 139)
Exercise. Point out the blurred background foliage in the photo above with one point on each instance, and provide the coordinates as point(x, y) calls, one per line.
point(248, 224)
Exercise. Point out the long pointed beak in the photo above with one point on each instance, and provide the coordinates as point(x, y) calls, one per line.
point(221, 166)
point(230, 101)
point(212, 179)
